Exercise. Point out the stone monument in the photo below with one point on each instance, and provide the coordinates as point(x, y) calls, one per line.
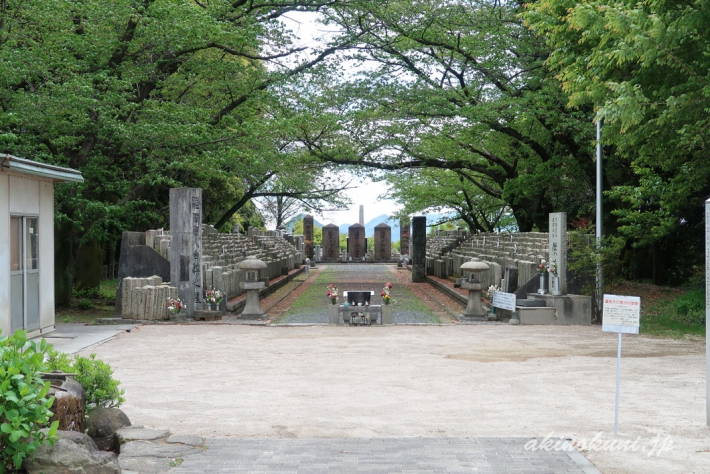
point(558, 246)
point(308, 236)
point(362, 215)
point(356, 244)
point(404, 234)
point(252, 266)
point(331, 242)
point(383, 242)
point(419, 249)
point(186, 246)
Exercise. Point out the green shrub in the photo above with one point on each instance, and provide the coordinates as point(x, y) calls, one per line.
point(94, 375)
point(690, 307)
point(88, 293)
point(85, 304)
point(24, 408)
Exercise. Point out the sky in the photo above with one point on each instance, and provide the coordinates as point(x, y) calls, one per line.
point(365, 192)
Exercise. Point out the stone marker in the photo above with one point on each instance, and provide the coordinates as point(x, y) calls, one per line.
point(383, 242)
point(558, 246)
point(419, 249)
point(331, 242)
point(356, 240)
point(404, 235)
point(362, 215)
point(510, 283)
point(186, 246)
point(308, 236)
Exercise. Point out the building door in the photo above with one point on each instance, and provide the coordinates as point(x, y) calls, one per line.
point(24, 273)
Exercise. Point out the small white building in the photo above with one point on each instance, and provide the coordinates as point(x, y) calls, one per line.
point(27, 243)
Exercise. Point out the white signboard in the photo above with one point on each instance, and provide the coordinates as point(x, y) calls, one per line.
point(622, 314)
point(504, 300)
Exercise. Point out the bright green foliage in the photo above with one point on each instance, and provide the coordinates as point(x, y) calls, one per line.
point(94, 375)
point(646, 66)
point(24, 408)
point(457, 87)
point(690, 307)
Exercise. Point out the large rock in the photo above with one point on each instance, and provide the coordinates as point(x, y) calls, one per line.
point(73, 453)
point(102, 424)
point(69, 402)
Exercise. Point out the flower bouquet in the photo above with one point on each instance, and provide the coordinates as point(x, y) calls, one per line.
point(385, 293)
point(491, 291)
point(333, 293)
point(213, 296)
point(542, 266)
point(552, 267)
point(174, 305)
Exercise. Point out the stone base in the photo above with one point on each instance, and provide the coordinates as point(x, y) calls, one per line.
point(474, 317)
point(570, 309)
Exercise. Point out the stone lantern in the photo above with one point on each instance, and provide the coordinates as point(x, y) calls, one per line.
point(251, 266)
point(474, 310)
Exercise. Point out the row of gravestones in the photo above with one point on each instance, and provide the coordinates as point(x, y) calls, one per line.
point(146, 298)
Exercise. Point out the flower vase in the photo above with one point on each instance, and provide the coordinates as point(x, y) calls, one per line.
point(333, 314)
point(386, 314)
point(208, 306)
point(543, 284)
point(555, 285)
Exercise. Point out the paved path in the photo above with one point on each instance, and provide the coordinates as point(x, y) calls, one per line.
point(72, 338)
point(380, 455)
point(312, 306)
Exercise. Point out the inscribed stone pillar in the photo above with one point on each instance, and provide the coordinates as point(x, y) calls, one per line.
point(362, 215)
point(308, 235)
point(383, 242)
point(331, 242)
point(357, 246)
point(404, 235)
point(186, 246)
point(419, 249)
point(558, 246)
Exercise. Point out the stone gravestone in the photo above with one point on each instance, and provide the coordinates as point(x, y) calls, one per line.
point(419, 249)
point(511, 279)
point(558, 246)
point(356, 244)
point(331, 242)
point(308, 236)
point(186, 246)
point(383, 242)
point(404, 234)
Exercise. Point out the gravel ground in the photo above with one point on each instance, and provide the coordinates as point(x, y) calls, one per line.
point(312, 305)
point(421, 381)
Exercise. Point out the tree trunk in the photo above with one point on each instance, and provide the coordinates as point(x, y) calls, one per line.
point(64, 243)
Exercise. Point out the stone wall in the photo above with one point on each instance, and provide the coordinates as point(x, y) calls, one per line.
point(146, 298)
point(221, 254)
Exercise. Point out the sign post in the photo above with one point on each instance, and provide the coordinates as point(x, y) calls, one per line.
point(622, 314)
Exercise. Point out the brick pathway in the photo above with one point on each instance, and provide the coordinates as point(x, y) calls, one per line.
point(380, 455)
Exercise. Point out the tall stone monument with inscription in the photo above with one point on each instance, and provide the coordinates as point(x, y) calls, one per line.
point(558, 246)
point(419, 249)
point(308, 236)
point(331, 242)
point(356, 244)
point(383, 242)
point(186, 247)
point(404, 235)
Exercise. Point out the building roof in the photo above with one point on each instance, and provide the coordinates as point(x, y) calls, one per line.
point(43, 170)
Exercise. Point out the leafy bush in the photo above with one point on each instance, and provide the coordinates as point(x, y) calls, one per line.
point(84, 304)
point(690, 307)
point(24, 408)
point(94, 375)
point(88, 293)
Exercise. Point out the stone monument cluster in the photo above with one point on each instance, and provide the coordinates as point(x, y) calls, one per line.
point(146, 298)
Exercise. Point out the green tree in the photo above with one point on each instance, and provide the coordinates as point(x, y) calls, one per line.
point(644, 66)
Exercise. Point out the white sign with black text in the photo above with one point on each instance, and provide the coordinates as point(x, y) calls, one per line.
point(504, 300)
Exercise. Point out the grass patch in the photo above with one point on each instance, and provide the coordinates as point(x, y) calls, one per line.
point(674, 314)
point(75, 315)
point(108, 289)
